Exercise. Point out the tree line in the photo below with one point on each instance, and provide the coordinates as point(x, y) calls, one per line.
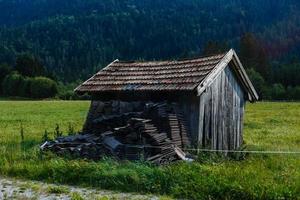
point(28, 78)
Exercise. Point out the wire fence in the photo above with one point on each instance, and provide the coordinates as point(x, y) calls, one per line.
point(245, 151)
point(225, 151)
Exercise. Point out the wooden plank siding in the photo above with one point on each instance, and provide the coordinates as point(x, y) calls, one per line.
point(190, 107)
point(221, 110)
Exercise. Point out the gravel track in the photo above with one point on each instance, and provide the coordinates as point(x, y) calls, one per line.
point(33, 190)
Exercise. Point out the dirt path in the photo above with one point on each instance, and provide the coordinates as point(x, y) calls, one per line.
point(25, 190)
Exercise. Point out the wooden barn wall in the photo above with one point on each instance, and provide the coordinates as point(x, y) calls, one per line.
point(221, 111)
point(190, 108)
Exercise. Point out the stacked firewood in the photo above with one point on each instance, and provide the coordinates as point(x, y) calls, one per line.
point(157, 133)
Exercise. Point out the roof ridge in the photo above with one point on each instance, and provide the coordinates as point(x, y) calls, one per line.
point(174, 60)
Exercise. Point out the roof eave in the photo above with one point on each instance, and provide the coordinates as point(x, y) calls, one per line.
point(79, 91)
point(209, 79)
point(252, 93)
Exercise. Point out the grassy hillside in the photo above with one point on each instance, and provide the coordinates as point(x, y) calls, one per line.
point(268, 126)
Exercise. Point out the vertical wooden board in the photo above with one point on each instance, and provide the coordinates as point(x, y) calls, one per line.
point(187, 111)
point(215, 95)
point(224, 133)
point(224, 108)
point(201, 135)
point(220, 111)
point(236, 108)
point(227, 108)
point(238, 115)
point(241, 100)
point(213, 124)
point(242, 107)
point(212, 119)
point(215, 92)
point(191, 114)
point(231, 112)
point(233, 115)
point(195, 117)
point(208, 119)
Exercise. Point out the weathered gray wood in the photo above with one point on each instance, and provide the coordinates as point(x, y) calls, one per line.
point(189, 106)
point(220, 124)
point(214, 107)
point(207, 120)
point(201, 119)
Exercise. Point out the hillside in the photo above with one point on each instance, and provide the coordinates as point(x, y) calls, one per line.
point(75, 38)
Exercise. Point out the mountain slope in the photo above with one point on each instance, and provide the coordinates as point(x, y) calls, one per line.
point(74, 38)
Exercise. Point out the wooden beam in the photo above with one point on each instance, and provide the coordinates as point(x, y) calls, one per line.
point(244, 75)
point(215, 72)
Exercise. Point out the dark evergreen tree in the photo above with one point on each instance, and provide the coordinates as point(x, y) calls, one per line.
point(4, 71)
point(215, 48)
point(28, 65)
point(253, 55)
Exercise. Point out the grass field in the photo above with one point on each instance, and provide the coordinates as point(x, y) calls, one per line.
point(268, 126)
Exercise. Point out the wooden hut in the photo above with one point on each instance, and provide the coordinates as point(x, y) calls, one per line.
point(210, 93)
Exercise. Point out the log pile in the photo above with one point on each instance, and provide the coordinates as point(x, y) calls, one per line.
point(156, 133)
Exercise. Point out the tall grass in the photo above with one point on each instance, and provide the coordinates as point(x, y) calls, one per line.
point(268, 126)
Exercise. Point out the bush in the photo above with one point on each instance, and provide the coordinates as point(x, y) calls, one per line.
point(12, 83)
point(24, 87)
point(71, 95)
point(42, 87)
point(66, 91)
point(278, 92)
point(293, 93)
point(76, 196)
point(258, 82)
point(39, 87)
point(67, 95)
point(28, 65)
point(4, 71)
point(58, 190)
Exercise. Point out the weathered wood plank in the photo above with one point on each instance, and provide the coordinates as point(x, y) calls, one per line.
point(220, 124)
point(201, 120)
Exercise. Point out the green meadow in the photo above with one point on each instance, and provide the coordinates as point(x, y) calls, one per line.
point(268, 126)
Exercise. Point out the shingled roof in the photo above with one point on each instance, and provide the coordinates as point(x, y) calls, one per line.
point(182, 75)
